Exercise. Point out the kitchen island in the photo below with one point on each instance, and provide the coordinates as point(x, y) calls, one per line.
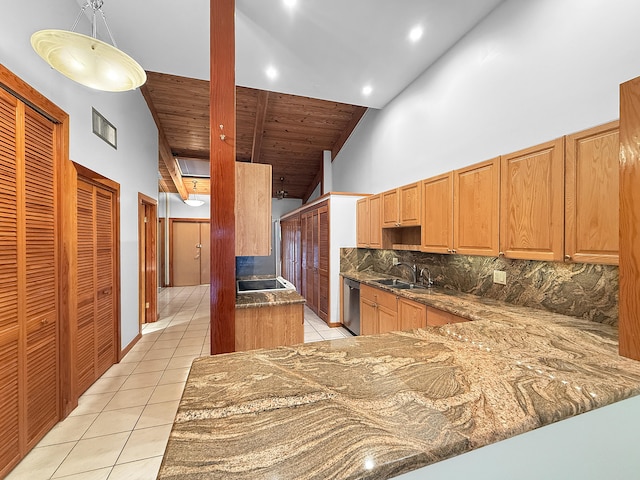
point(376, 407)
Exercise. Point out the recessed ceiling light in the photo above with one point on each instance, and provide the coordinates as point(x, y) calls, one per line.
point(416, 33)
point(366, 90)
point(290, 3)
point(271, 72)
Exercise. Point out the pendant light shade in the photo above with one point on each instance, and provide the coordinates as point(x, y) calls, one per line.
point(87, 60)
point(194, 201)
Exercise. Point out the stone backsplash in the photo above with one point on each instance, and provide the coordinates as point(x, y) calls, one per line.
point(576, 289)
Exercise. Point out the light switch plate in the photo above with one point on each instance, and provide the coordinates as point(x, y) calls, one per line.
point(395, 260)
point(500, 276)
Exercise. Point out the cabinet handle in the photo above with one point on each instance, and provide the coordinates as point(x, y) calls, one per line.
point(449, 250)
point(501, 254)
point(567, 257)
point(454, 250)
point(44, 321)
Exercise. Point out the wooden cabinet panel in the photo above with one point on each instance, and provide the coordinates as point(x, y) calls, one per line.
point(411, 315)
point(375, 216)
point(362, 223)
point(476, 209)
point(591, 195)
point(10, 404)
point(378, 311)
point(315, 259)
point(368, 317)
point(437, 317)
point(253, 209)
point(269, 327)
point(390, 202)
point(437, 208)
point(532, 203)
point(387, 319)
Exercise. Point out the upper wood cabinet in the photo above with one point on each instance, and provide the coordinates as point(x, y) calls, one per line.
point(532, 203)
point(401, 207)
point(476, 209)
point(368, 216)
point(461, 210)
point(591, 195)
point(253, 209)
point(437, 208)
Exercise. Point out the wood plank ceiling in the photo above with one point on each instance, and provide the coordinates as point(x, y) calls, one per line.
point(287, 131)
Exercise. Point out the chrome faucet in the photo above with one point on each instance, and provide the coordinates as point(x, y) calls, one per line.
point(414, 270)
point(429, 282)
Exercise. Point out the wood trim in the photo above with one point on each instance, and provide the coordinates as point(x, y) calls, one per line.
point(319, 200)
point(223, 155)
point(629, 296)
point(346, 133)
point(258, 129)
point(132, 344)
point(180, 220)
point(148, 274)
point(162, 252)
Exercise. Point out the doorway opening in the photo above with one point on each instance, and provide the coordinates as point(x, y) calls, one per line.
point(147, 255)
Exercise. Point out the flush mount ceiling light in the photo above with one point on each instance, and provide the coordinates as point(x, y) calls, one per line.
point(280, 194)
point(87, 60)
point(194, 201)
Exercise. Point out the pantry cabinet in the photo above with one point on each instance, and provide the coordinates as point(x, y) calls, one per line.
point(532, 203)
point(290, 229)
point(368, 216)
point(591, 195)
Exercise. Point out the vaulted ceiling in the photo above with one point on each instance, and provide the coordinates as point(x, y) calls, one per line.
point(288, 132)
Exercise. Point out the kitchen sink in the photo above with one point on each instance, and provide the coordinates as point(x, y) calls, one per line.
point(399, 284)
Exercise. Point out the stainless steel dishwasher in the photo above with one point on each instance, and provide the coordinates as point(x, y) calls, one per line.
point(351, 306)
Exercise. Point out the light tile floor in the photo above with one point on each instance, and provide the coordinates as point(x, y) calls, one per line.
point(121, 425)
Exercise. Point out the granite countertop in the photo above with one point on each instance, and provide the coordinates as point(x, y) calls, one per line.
point(377, 406)
point(268, 299)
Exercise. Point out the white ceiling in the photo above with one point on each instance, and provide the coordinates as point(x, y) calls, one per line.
point(326, 49)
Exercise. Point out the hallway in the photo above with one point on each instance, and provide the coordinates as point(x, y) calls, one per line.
point(122, 423)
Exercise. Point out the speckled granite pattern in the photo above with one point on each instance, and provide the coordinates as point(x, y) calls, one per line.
point(268, 299)
point(575, 289)
point(374, 407)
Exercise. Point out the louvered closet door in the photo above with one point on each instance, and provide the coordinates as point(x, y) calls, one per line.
point(41, 277)
point(96, 344)
point(323, 263)
point(9, 328)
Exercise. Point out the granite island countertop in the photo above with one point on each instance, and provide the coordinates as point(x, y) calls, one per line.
point(378, 406)
point(268, 299)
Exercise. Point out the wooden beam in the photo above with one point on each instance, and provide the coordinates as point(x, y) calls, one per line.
point(358, 113)
point(629, 294)
point(223, 155)
point(191, 154)
point(164, 149)
point(258, 128)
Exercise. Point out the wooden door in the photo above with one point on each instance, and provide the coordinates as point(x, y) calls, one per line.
point(532, 203)
point(375, 227)
point(185, 254)
point(437, 213)
point(390, 201)
point(591, 195)
point(97, 305)
point(323, 263)
point(313, 291)
point(409, 204)
point(205, 254)
point(362, 223)
point(476, 209)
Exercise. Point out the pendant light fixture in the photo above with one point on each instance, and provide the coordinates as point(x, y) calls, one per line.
point(282, 193)
point(87, 60)
point(194, 201)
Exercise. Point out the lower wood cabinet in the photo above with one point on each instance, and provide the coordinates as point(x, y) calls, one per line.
point(269, 326)
point(382, 312)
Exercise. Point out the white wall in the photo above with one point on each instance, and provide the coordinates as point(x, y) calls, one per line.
point(133, 165)
point(530, 72)
point(178, 209)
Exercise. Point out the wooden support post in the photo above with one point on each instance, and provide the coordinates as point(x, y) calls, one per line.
point(629, 313)
point(222, 120)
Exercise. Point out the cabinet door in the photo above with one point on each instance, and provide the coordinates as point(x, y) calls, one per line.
point(387, 319)
point(390, 201)
point(476, 209)
point(362, 223)
point(437, 214)
point(323, 263)
point(410, 203)
point(253, 209)
point(411, 314)
point(591, 195)
point(532, 203)
point(437, 317)
point(375, 228)
point(368, 317)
